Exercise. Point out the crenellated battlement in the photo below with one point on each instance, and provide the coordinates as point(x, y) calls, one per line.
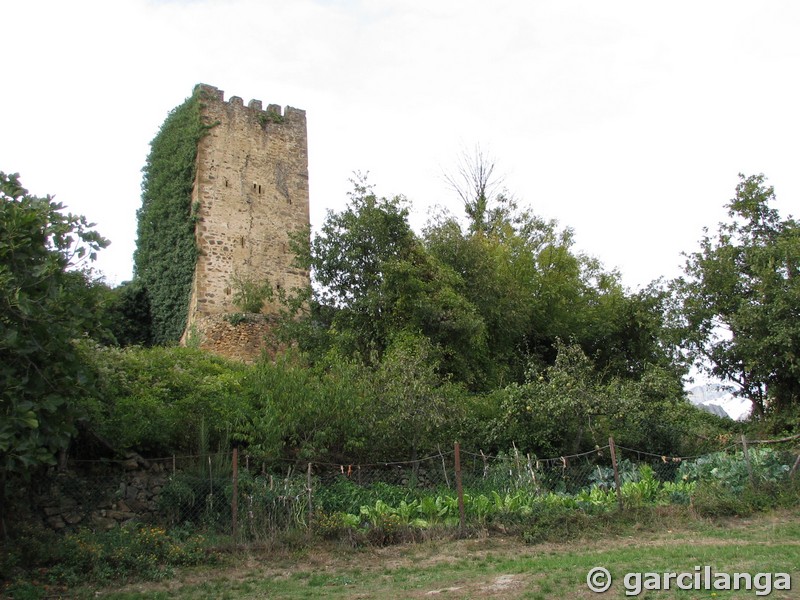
point(214, 94)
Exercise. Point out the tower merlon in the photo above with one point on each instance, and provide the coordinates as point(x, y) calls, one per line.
point(214, 94)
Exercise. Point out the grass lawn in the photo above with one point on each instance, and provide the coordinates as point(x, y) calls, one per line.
point(499, 566)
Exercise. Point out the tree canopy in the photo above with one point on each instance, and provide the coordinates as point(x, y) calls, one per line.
point(490, 299)
point(47, 301)
point(740, 300)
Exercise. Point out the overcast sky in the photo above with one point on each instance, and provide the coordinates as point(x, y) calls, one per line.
point(625, 120)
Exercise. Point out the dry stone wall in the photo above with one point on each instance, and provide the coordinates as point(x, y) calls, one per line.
point(73, 499)
point(242, 339)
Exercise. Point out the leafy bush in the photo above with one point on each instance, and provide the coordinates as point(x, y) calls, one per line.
point(730, 470)
point(554, 523)
point(347, 496)
point(249, 295)
point(157, 400)
point(117, 555)
point(137, 551)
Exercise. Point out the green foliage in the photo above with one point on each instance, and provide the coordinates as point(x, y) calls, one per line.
point(569, 408)
point(269, 116)
point(292, 409)
point(716, 499)
point(132, 552)
point(343, 495)
point(348, 259)
point(529, 288)
point(46, 302)
point(389, 512)
point(376, 279)
point(166, 252)
point(124, 553)
point(126, 315)
point(414, 404)
point(724, 486)
point(249, 295)
point(490, 300)
point(769, 467)
point(159, 400)
point(740, 297)
point(487, 309)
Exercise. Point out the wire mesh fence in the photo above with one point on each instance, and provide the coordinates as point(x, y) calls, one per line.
point(228, 494)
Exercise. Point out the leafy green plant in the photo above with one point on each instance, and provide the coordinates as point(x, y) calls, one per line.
point(480, 507)
point(157, 400)
point(237, 318)
point(334, 524)
point(596, 497)
point(769, 467)
point(269, 116)
point(46, 302)
point(678, 492)
point(249, 295)
point(644, 491)
point(129, 552)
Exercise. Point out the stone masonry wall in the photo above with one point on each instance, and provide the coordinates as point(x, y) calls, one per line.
point(250, 192)
point(243, 340)
point(71, 500)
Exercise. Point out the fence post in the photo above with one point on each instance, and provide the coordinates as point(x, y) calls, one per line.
point(235, 498)
point(3, 532)
point(747, 461)
point(210, 483)
point(794, 468)
point(310, 498)
point(616, 471)
point(459, 488)
point(444, 467)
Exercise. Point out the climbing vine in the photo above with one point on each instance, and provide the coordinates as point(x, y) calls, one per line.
point(166, 251)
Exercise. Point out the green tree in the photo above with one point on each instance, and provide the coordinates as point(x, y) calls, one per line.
point(46, 302)
point(161, 400)
point(531, 288)
point(296, 410)
point(571, 407)
point(740, 300)
point(124, 313)
point(411, 400)
point(374, 278)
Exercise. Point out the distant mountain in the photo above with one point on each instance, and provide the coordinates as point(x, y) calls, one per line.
point(719, 400)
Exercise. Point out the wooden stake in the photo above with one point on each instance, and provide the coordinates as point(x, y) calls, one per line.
point(459, 489)
point(444, 467)
point(310, 504)
point(235, 498)
point(211, 482)
point(616, 471)
point(794, 468)
point(747, 461)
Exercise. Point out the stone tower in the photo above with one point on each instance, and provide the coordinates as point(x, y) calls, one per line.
point(250, 191)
